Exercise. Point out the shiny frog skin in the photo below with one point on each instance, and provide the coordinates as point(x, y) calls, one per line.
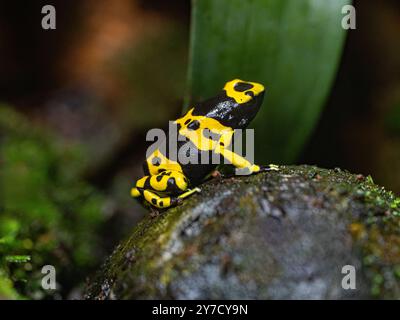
point(205, 131)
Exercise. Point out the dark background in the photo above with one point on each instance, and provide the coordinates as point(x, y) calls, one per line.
point(114, 69)
point(75, 65)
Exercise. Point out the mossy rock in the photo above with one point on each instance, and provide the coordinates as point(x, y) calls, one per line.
point(284, 234)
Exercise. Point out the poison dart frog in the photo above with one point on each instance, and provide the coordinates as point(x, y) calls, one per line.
point(207, 128)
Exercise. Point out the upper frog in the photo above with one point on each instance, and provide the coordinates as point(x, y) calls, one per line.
point(205, 131)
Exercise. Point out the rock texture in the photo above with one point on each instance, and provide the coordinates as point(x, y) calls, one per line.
point(274, 235)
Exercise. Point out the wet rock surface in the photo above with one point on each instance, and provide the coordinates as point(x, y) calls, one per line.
point(274, 235)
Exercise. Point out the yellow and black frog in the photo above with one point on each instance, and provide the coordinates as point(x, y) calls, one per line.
point(203, 133)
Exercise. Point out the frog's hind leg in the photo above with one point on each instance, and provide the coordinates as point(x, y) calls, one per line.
point(150, 197)
point(242, 165)
point(158, 201)
point(163, 190)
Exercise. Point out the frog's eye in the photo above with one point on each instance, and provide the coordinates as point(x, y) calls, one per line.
point(242, 86)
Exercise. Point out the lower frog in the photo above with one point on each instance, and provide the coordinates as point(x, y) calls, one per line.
point(206, 131)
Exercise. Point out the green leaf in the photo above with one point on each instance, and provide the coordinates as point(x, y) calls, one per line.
point(291, 46)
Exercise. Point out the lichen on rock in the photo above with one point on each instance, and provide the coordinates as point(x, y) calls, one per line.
point(272, 235)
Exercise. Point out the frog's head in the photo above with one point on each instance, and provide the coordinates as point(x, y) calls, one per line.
point(236, 105)
point(247, 96)
point(244, 92)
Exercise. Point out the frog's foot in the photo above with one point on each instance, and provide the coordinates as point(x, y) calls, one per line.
point(188, 193)
point(270, 167)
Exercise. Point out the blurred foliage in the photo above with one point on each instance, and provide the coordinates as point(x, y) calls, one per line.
point(154, 72)
point(392, 120)
point(292, 47)
point(47, 214)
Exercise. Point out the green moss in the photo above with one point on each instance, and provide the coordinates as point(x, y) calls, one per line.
point(380, 242)
point(47, 213)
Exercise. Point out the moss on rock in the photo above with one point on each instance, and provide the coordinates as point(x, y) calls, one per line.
point(283, 234)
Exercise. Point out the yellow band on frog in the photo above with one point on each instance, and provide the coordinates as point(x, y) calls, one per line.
point(243, 91)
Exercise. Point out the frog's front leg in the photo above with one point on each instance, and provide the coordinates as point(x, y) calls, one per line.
point(241, 163)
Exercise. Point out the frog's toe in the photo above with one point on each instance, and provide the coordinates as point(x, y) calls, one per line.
point(270, 167)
